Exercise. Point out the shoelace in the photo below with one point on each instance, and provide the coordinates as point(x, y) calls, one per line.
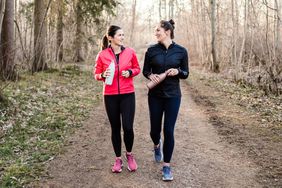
point(130, 157)
point(118, 161)
point(157, 150)
point(166, 170)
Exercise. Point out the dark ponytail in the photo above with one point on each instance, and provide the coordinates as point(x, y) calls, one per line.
point(168, 25)
point(105, 42)
point(110, 32)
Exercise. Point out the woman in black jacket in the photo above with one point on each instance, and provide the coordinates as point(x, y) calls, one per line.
point(164, 99)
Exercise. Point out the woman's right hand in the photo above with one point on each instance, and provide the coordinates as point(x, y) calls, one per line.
point(106, 73)
point(154, 78)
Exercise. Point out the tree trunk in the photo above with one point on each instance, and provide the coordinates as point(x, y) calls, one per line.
point(7, 43)
point(60, 36)
point(40, 32)
point(215, 65)
point(205, 38)
point(133, 23)
point(277, 29)
point(160, 9)
point(163, 9)
point(171, 9)
point(266, 31)
point(78, 36)
point(243, 46)
point(234, 35)
point(2, 9)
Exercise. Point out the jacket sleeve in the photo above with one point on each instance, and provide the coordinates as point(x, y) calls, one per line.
point(98, 69)
point(135, 69)
point(184, 67)
point(147, 68)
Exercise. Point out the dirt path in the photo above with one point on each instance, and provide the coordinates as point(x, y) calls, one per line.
point(201, 158)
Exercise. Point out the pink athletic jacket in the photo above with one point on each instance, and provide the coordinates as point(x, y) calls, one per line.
point(127, 61)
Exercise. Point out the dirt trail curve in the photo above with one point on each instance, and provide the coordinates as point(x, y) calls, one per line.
point(201, 158)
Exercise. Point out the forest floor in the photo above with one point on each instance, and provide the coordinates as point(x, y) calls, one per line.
point(223, 138)
point(54, 133)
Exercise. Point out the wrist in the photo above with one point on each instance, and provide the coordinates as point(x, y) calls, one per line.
point(102, 75)
point(130, 72)
point(179, 71)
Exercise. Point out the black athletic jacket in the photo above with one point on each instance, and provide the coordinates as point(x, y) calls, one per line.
point(158, 59)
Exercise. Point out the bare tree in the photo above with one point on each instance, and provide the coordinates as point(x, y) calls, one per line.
point(243, 45)
point(234, 33)
point(215, 65)
point(60, 36)
point(163, 9)
point(79, 33)
point(40, 32)
point(160, 9)
point(7, 65)
point(131, 39)
point(203, 32)
point(277, 25)
point(2, 9)
point(171, 9)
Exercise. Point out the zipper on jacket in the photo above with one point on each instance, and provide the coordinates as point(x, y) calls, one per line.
point(117, 60)
point(165, 59)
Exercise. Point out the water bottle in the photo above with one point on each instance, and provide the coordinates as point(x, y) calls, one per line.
point(109, 79)
point(152, 84)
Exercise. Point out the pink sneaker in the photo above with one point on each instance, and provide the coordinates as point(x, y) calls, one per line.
point(132, 166)
point(117, 167)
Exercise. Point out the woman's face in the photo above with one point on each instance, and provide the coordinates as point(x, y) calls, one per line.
point(118, 38)
point(161, 34)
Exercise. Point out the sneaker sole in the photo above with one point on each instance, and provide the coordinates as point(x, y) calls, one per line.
point(117, 171)
point(131, 170)
point(167, 179)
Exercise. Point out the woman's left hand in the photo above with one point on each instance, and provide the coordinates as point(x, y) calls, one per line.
point(172, 72)
point(125, 73)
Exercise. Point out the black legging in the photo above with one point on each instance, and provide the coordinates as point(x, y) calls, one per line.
point(121, 108)
point(169, 107)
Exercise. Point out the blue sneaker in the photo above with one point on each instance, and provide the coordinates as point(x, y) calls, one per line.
point(158, 152)
point(167, 176)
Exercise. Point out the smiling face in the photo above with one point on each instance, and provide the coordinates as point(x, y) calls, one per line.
point(118, 38)
point(161, 34)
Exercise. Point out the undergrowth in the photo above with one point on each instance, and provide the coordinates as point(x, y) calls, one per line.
point(40, 111)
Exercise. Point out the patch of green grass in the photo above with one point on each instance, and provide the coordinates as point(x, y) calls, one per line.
point(42, 110)
point(16, 175)
point(6, 151)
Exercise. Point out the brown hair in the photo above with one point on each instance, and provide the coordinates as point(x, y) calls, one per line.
point(110, 32)
point(168, 25)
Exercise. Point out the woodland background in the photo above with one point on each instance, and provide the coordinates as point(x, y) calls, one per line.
point(48, 49)
point(241, 39)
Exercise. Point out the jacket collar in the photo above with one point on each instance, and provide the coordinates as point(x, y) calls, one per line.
point(163, 46)
point(110, 48)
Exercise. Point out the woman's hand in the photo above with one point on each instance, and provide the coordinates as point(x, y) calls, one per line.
point(106, 73)
point(125, 73)
point(172, 72)
point(154, 78)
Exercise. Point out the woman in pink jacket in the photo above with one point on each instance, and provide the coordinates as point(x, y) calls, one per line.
point(119, 96)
